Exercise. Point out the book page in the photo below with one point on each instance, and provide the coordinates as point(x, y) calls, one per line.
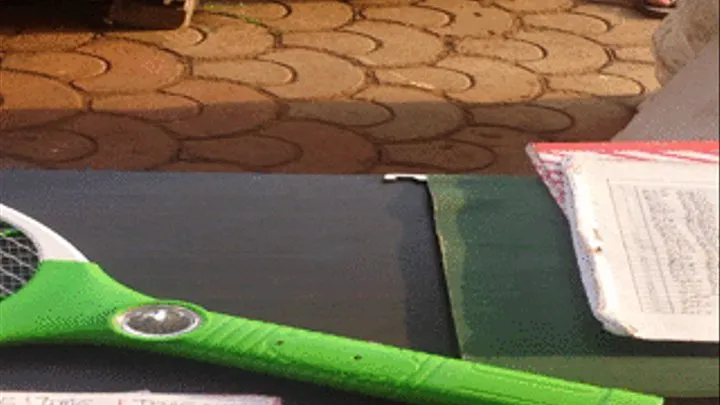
point(649, 234)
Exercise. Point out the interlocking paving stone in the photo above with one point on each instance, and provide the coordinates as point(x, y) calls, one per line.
point(313, 16)
point(401, 45)
point(344, 43)
point(417, 16)
point(153, 68)
point(507, 144)
point(426, 77)
point(448, 155)
point(223, 37)
point(255, 11)
point(566, 53)
point(493, 81)
point(152, 106)
point(523, 117)
point(574, 23)
point(342, 112)
point(200, 166)
point(596, 84)
point(383, 3)
point(385, 168)
point(317, 74)
point(643, 73)
point(175, 39)
point(46, 145)
point(42, 41)
point(227, 108)
point(328, 86)
point(534, 6)
point(122, 143)
point(627, 34)
point(31, 100)
point(248, 150)
point(351, 153)
point(507, 49)
point(635, 54)
point(248, 71)
point(626, 27)
point(594, 118)
point(417, 114)
point(14, 163)
point(65, 66)
point(471, 18)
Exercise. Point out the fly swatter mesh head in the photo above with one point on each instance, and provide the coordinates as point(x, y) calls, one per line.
point(18, 260)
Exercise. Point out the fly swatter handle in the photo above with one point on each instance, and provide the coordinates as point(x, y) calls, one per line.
point(379, 370)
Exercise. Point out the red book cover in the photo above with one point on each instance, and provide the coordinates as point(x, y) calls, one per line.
point(547, 157)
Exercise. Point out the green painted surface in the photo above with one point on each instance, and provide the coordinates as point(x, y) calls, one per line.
point(518, 301)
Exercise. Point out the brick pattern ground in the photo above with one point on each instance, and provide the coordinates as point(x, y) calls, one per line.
point(364, 86)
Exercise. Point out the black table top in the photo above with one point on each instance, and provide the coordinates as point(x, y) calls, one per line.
point(349, 255)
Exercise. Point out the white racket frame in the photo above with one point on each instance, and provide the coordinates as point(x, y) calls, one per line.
point(50, 245)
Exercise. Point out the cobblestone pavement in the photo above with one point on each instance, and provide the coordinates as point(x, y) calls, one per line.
point(363, 86)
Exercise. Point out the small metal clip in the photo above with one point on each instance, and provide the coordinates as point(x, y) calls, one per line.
point(422, 178)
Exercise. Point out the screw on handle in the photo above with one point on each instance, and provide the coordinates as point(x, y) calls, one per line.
point(378, 370)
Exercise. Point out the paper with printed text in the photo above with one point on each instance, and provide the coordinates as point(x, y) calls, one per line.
point(646, 238)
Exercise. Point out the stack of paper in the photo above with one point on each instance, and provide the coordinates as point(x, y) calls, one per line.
point(129, 398)
point(644, 220)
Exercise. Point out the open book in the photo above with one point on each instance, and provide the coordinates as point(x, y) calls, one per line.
point(645, 231)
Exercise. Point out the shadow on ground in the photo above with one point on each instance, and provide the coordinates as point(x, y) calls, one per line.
point(52, 16)
point(296, 137)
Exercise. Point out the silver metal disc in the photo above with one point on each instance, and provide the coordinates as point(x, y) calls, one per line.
point(159, 321)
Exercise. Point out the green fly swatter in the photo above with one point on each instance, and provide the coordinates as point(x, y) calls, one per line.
point(49, 292)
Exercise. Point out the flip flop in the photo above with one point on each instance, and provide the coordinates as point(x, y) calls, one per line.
point(653, 11)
